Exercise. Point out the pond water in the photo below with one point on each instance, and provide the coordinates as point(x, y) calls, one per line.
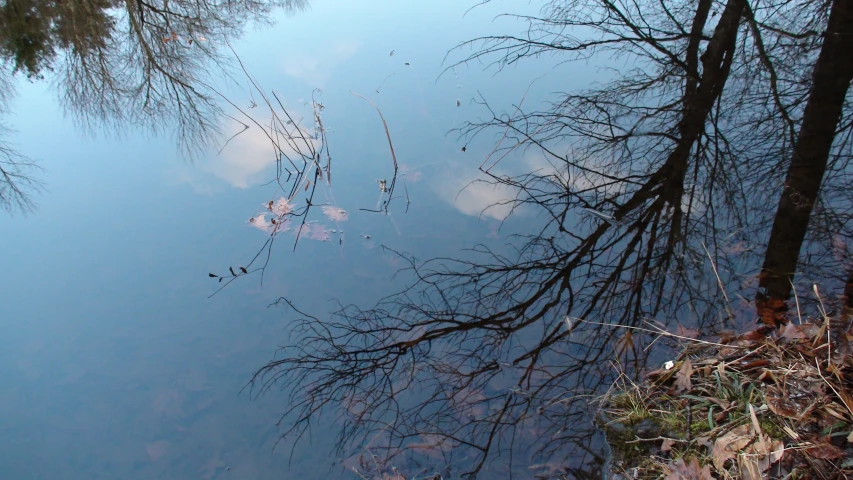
point(117, 362)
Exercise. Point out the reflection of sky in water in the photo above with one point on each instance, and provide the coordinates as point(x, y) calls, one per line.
point(115, 364)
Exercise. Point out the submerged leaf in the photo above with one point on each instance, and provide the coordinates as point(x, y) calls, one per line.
point(156, 450)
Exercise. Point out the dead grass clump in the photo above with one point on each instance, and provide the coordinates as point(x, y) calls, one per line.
point(764, 404)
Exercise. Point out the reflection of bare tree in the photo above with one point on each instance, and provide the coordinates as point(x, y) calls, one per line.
point(454, 370)
point(134, 62)
point(812, 150)
point(664, 166)
point(17, 181)
point(757, 128)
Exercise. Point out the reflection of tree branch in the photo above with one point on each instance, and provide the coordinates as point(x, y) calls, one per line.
point(17, 180)
point(668, 156)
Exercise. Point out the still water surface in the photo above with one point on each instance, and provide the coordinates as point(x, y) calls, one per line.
point(115, 363)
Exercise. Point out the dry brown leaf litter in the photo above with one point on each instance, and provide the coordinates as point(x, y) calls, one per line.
point(762, 404)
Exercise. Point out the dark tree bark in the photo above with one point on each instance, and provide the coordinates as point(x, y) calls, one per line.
point(831, 79)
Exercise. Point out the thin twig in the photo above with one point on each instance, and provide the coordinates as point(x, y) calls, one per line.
point(719, 281)
point(664, 332)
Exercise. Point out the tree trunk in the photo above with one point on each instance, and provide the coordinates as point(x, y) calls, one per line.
point(831, 79)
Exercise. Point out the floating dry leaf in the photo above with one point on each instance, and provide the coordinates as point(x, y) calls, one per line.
point(260, 222)
point(319, 232)
point(335, 214)
point(281, 207)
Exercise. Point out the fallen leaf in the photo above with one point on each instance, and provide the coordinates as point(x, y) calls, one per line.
point(825, 450)
point(848, 401)
point(728, 446)
point(809, 329)
point(760, 452)
point(780, 405)
point(778, 451)
point(683, 331)
point(749, 467)
point(721, 403)
point(751, 336)
point(681, 470)
point(792, 332)
point(666, 445)
point(705, 442)
point(754, 419)
point(682, 377)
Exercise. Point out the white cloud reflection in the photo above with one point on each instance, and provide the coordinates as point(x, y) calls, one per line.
point(316, 67)
point(247, 160)
point(463, 187)
point(474, 193)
